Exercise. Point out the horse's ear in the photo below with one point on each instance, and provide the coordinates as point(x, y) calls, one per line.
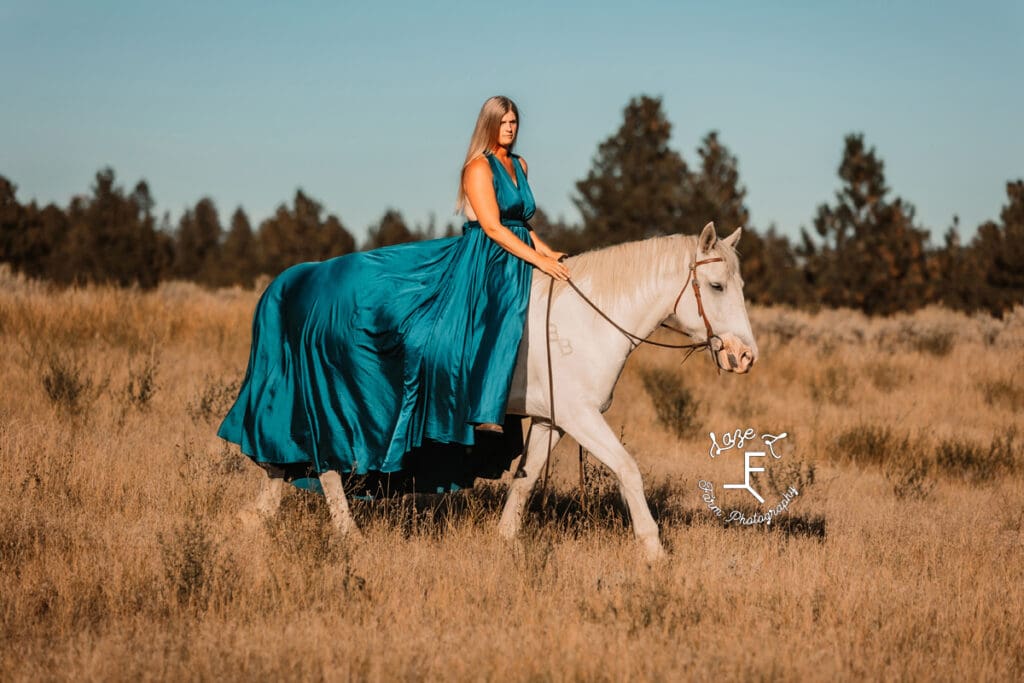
point(732, 239)
point(707, 239)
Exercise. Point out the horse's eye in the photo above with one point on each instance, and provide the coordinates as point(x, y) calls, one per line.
point(717, 286)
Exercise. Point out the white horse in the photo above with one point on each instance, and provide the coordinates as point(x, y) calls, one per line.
point(638, 285)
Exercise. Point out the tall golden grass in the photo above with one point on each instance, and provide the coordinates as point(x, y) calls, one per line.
point(121, 557)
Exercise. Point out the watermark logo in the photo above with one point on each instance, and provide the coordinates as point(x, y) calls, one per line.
point(743, 463)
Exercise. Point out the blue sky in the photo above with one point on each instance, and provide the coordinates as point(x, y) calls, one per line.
point(369, 106)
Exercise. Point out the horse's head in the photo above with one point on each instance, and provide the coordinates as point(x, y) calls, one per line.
point(716, 302)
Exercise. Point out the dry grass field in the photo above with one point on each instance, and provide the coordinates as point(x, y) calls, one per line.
point(122, 558)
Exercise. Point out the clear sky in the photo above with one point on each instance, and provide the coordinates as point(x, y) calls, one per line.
point(370, 105)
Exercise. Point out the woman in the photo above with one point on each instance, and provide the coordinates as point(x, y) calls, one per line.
point(358, 360)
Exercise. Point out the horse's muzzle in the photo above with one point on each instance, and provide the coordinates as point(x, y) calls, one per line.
point(735, 356)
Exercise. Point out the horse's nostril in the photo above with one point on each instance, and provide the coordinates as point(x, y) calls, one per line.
point(732, 360)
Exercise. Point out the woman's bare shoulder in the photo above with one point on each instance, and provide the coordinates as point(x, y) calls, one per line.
point(477, 165)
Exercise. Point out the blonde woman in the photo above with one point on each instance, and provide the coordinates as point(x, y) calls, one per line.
point(360, 360)
point(491, 204)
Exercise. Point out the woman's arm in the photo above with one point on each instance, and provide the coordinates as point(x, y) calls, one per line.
point(542, 247)
point(479, 185)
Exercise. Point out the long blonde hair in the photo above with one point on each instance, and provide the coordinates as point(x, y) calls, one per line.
point(485, 135)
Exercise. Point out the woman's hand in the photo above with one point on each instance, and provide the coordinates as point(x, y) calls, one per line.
point(545, 250)
point(552, 267)
point(542, 247)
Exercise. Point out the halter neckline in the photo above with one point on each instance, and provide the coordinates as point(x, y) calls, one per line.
point(512, 177)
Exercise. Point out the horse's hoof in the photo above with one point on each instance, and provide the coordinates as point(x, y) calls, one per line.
point(490, 427)
point(654, 553)
point(351, 534)
point(511, 540)
point(249, 520)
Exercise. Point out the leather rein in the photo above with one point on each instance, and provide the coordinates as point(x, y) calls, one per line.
point(637, 340)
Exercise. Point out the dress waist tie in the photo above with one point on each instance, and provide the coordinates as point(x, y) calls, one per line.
point(507, 222)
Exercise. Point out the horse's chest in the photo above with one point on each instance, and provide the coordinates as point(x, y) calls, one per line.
point(609, 393)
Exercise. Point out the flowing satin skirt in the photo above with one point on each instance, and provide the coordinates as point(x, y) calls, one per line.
point(358, 360)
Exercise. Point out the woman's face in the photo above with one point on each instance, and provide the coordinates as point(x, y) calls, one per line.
point(508, 129)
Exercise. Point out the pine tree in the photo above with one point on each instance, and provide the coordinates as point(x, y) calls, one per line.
point(870, 256)
point(112, 236)
point(197, 252)
point(771, 271)
point(28, 235)
point(239, 260)
point(716, 193)
point(299, 234)
point(10, 222)
point(19, 233)
point(769, 263)
point(956, 272)
point(391, 229)
point(558, 234)
point(637, 186)
point(337, 241)
point(999, 251)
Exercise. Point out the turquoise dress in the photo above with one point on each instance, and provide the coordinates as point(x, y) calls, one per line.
point(360, 361)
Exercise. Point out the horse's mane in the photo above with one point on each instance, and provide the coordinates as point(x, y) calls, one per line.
point(611, 271)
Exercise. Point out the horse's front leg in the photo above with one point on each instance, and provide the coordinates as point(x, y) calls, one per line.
point(519, 491)
point(338, 504)
point(593, 433)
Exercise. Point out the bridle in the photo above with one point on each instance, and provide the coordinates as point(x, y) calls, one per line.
point(712, 342)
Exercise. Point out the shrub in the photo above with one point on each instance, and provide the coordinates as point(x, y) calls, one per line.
point(833, 386)
point(194, 566)
point(936, 342)
point(867, 444)
point(887, 377)
point(214, 399)
point(142, 383)
point(910, 481)
point(975, 462)
point(790, 472)
point(302, 530)
point(674, 404)
point(67, 384)
point(188, 558)
point(1002, 394)
point(921, 334)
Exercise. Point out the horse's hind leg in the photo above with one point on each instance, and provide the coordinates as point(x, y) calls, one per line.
point(519, 491)
point(338, 504)
point(267, 503)
point(269, 499)
point(594, 434)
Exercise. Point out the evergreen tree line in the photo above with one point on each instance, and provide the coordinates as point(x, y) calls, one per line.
point(109, 237)
point(112, 236)
point(866, 250)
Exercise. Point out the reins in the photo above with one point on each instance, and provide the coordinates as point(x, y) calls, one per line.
point(636, 340)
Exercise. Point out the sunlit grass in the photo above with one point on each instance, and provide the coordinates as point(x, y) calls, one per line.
point(122, 557)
